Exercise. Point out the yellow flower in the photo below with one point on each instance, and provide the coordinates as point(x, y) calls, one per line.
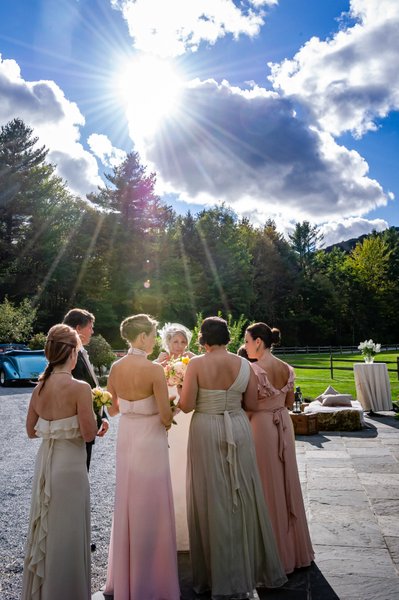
point(185, 360)
point(101, 398)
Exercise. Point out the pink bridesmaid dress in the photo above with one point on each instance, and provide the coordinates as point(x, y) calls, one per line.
point(142, 562)
point(275, 452)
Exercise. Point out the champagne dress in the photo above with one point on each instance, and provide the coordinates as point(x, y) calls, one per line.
point(142, 562)
point(231, 539)
point(275, 451)
point(57, 559)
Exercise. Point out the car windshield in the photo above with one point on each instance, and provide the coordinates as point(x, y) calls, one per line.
point(12, 346)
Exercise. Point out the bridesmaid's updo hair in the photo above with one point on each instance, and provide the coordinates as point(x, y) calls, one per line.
point(214, 332)
point(133, 326)
point(61, 340)
point(269, 336)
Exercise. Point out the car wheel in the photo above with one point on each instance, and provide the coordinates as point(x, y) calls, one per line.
point(3, 380)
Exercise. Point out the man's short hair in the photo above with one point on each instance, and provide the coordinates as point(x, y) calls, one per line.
point(78, 316)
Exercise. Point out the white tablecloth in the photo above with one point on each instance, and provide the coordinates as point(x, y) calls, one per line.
point(373, 388)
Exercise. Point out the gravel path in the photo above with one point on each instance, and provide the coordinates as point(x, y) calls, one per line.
point(17, 457)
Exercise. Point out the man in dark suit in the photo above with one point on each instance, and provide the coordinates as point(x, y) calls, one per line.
point(83, 322)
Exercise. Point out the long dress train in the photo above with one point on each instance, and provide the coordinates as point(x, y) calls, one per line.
point(275, 450)
point(178, 439)
point(231, 539)
point(142, 561)
point(57, 559)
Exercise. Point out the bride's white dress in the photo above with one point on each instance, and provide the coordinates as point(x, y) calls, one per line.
point(177, 440)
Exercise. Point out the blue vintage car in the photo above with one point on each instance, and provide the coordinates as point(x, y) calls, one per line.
point(18, 363)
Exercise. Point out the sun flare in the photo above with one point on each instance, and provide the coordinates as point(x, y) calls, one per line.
point(149, 88)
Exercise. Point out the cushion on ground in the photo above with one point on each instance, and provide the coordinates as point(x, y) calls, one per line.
point(337, 400)
point(328, 392)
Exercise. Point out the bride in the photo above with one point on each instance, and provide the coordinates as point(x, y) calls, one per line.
point(175, 339)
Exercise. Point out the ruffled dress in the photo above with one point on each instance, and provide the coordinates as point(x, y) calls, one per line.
point(232, 544)
point(275, 451)
point(57, 557)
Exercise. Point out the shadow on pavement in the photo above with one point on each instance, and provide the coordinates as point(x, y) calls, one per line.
point(303, 584)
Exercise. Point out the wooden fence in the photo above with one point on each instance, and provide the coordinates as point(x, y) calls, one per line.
point(334, 367)
point(328, 349)
point(331, 350)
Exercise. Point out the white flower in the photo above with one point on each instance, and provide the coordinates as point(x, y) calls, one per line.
point(369, 348)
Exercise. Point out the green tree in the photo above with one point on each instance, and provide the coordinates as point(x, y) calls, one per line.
point(22, 168)
point(33, 206)
point(304, 241)
point(16, 322)
point(100, 352)
point(226, 272)
point(372, 288)
point(274, 274)
point(38, 341)
point(135, 218)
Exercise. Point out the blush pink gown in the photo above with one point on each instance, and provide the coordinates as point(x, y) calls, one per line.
point(142, 562)
point(275, 452)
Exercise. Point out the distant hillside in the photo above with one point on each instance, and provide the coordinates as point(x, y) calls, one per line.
point(348, 245)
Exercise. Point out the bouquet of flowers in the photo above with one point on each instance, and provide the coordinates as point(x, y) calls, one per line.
point(369, 349)
point(101, 398)
point(175, 370)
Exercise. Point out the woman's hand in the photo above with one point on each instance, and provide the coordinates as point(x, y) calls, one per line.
point(103, 429)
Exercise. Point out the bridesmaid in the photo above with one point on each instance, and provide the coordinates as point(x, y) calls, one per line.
point(142, 562)
point(232, 545)
point(57, 558)
point(275, 447)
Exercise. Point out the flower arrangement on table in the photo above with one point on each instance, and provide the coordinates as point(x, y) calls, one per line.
point(175, 370)
point(369, 349)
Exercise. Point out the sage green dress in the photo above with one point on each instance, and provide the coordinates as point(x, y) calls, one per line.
point(232, 544)
point(57, 556)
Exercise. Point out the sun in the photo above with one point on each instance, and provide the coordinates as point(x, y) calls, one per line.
point(149, 88)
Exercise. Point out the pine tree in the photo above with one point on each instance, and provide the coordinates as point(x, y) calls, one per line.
point(22, 167)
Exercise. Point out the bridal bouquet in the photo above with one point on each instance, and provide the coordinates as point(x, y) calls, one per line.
point(100, 398)
point(175, 370)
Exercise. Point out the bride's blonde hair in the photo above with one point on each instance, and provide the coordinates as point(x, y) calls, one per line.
point(171, 329)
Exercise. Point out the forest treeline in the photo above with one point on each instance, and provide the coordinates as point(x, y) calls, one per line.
point(121, 251)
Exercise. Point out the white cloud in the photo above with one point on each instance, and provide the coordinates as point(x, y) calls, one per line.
point(171, 28)
point(102, 147)
point(349, 81)
point(55, 120)
point(335, 232)
point(248, 148)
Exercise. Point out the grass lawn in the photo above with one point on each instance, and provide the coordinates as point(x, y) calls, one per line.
point(313, 382)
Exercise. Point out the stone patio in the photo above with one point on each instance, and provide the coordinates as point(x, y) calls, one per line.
point(351, 489)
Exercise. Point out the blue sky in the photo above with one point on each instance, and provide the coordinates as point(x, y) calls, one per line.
point(282, 109)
